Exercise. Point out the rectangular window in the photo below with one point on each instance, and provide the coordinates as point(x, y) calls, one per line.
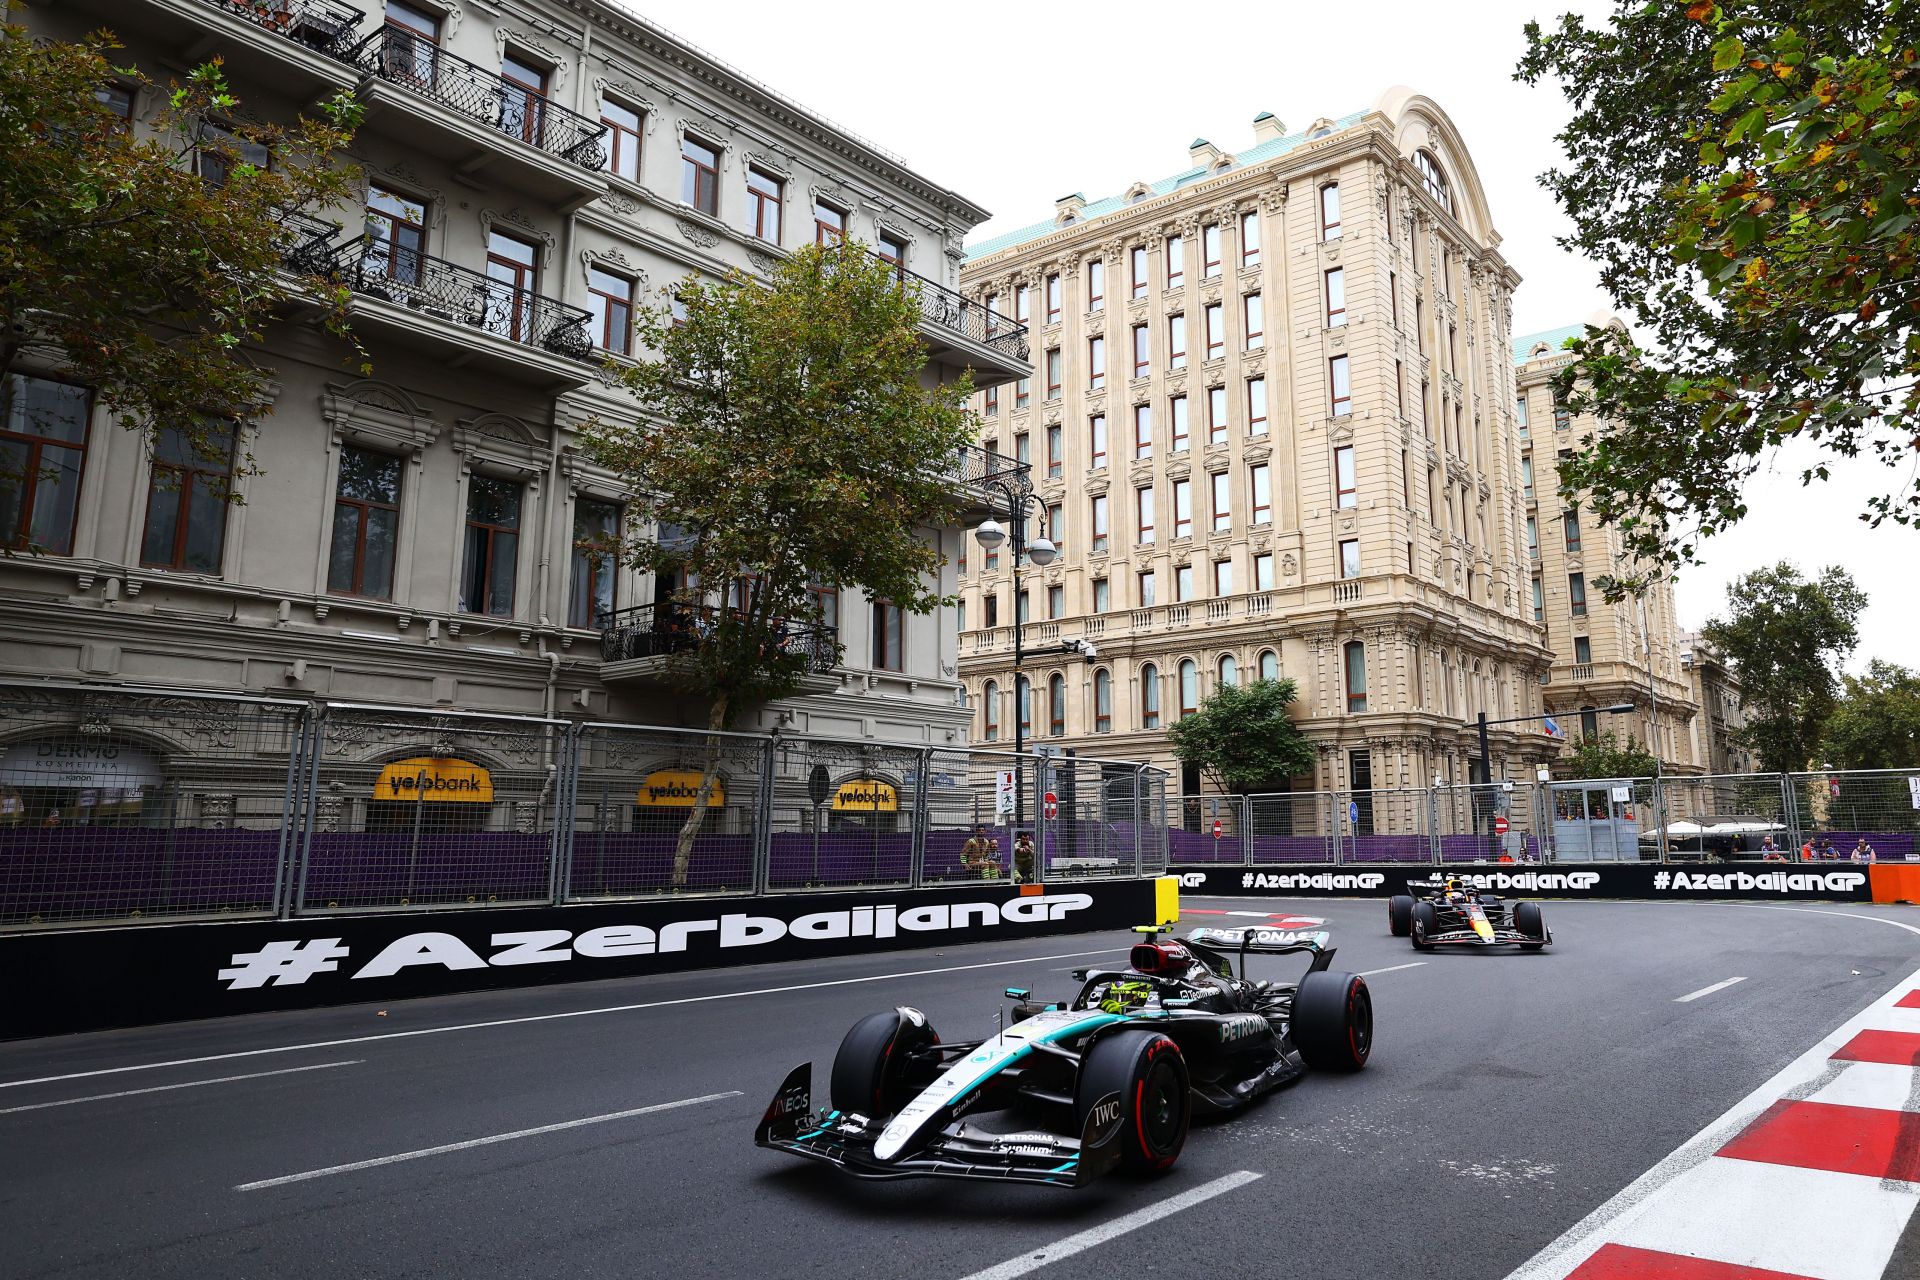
point(1056, 450)
point(1053, 373)
point(623, 139)
point(1022, 303)
point(1399, 390)
point(1216, 415)
point(1142, 431)
point(366, 524)
point(1262, 490)
point(1177, 341)
point(1176, 261)
point(889, 625)
point(992, 402)
point(1142, 353)
point(1183, 508)
point(1097, 440)
point(1346, 492)
point(1582, 649)
point(893, 251)
point(1103, 702)
point(1249, 239)
point(187, 489)
point(1022, 393)
point(830, 227)
point(396, 236)
point(1223, 577)
point(487, 578)
point(1539, 603)
point(1098, 519)
point(1216, 331)
point(1350, 558)
point(1406, 480)
point(1256, 406)
point(1182, 583)
point(1572, 521)
point(1102, 596)
point(1393, 300)
point(1533, 537)
point(1520, 416)
point(1096, 363)
point(1562, 418)
point(990, 610)
point(217, 163)
point(700, 175)
point(765, 197)
point(117, 99)
point(596, 532)
point(1330, 211)
point(1210, 251)
point(1589, 724)
point(1222, 486)
point(513, 267)
point(1263, 571)
point(1021, 613)
point(1137, 268)
point(411, 35)
point(1254, 318)
point(1577, 593)
point(43, 448)
point(1526, 476)
point(1053, 298)
point(1339, 387)
point(1096, 285)
point(1177, 407)
point(1022, 448)
point(1143, 515)
point(522, 99)
point(610, 299)
point(1336, 291)
point(1145, 585)
point(1056, 601)
point(1355, 655)
point(1057, 525)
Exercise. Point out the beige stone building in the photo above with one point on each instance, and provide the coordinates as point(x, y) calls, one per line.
point(1603, 654)
point(1721, 713)
point(1271, 428)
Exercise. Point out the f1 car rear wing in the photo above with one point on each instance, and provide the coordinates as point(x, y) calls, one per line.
point(1265, 940)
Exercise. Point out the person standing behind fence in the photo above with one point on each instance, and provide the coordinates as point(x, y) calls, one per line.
point(1806, 850)
point(1863, 852)
point(980, 855)
point(1023, 858)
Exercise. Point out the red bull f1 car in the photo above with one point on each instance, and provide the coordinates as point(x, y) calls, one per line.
point(1451, 912)
point(1069, 1091)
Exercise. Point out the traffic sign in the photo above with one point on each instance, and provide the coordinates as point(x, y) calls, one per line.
point(1500, 824)
point(1053, 806)
point(1216, 828)
point(1353, 812)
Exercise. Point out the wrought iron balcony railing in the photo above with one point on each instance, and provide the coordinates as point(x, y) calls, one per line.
point(320, 25)
point(460, 295)
point(306, 243)
point(661, 630)
point(965, 317)
point(403, 58)
point(985, 473)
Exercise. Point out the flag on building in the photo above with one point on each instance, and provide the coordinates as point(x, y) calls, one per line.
point(1553, 727)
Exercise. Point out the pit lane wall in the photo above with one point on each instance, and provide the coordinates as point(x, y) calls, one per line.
point(1661, 882)
point(93, 979)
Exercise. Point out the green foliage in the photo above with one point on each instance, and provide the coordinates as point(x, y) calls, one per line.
point(120, 266)
point(1605, 756)
point(1877, 723)
point(1784, 639)
point(1746, 177)
point(1242, 737)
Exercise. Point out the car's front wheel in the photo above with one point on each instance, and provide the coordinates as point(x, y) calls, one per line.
point(1333, 1021)
point(1425, 921)
point(1400, 914)
point(1528, 919)
point(1148, 1073)
point(883, 1062)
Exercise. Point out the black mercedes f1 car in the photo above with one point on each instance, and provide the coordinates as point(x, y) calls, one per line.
point(1451, 912)
point(1071, 1090)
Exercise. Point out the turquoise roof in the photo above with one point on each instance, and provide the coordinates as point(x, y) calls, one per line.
point(1252, 155)
point(1554, 338)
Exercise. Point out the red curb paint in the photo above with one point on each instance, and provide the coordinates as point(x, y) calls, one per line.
point(1901, 1048)
point(1821, 1135)
point(1911, 1000)
point(1623, 1262)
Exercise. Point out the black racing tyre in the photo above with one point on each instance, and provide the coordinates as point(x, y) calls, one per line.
point(1333, 1021)
point(1400, 914)
point(873, 1070)
point(1425, 921)
point(1528, 920)
point(1156, 1101)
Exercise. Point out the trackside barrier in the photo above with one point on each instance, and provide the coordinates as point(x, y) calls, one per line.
point(1651, 881)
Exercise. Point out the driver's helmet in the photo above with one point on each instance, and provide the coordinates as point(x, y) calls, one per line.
point(1454, 885)
point(1124, 995)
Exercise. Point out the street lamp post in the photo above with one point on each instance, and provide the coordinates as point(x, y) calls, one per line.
point(1041, 551)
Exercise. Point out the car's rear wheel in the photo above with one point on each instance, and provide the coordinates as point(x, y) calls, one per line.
point(1400, 914)
point(883, 1062)
point(1156, 1101)
point(1333, 1021)
point(1528, 919)
point(1422, 925)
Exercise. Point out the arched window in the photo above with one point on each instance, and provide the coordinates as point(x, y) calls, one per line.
point(1269, 665)
point(1433, 179)
point(1103, 701)
point(1149, 697)
point(1023, 694)
point(1189, 687)
point(1356, 665)
point(990, 712)
point(1057, 706)
point(1229, 671)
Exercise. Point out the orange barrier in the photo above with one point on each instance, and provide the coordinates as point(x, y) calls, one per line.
point(1894, 883)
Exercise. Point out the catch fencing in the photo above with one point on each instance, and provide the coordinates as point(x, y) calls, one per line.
point(122, 805)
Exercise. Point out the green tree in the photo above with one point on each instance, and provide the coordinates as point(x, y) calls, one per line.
point(1603, 755)
point(1243, 739)
point(786, 443)
point(1877, 722)
point(143, 264)
point(1784, 639)
point(1745, 175)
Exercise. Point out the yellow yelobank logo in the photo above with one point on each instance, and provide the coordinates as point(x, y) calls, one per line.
point(868, 794)
point(440, 779)
point(677, 789)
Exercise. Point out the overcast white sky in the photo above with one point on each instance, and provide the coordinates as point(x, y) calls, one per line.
point(1032, 100)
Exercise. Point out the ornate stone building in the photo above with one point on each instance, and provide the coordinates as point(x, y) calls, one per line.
point(1271, 428)
point(1722, 713)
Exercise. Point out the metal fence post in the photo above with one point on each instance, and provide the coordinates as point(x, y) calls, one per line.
point(560, 838)
point(922, 801)
point(1246, 831)
point(317, 747)
point(1790, 812)
point(1139, 812)
point(290, 804)
point(763, 815)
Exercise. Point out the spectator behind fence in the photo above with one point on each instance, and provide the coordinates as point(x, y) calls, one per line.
point(1023, 857)
point(1863, 852)
point(981, 855)
point(1806, 850)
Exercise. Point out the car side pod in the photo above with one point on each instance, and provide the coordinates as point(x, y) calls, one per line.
point(791, 1107)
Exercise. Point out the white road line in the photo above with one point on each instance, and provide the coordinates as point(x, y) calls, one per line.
point(480, 1142)
point(189, 1084)
point(542, 1017)
point(1080, 1243)
point(1368, 973)
point(1691, 996)
point(1816, 911)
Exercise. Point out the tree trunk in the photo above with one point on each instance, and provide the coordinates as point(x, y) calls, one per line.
point(709, 775)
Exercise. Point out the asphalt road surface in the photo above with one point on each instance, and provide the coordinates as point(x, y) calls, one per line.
point(1509, 1094)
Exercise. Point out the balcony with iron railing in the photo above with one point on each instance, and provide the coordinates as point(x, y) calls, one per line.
point(299, 45)
point(440, 103)
point(306, 243)
point(966, 333)
point(642, 642)
point(465, 316)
